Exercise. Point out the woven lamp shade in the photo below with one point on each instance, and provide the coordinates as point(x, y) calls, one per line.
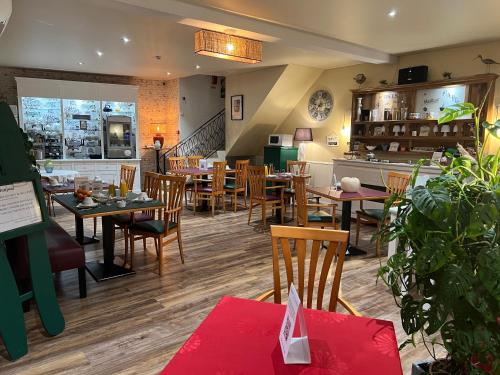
point(228, 47)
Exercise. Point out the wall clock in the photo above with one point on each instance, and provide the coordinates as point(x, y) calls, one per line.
point(320, 105)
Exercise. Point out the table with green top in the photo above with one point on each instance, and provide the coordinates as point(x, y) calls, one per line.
point(107, 269)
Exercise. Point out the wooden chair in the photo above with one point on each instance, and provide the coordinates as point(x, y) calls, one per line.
point(176, 163)
point(337, 243)
point(127, 174)
point(317, 218)
point(293, 166)
point(194, 161)
point(123, 221)
point(167, 229)
point(259, 194)
point(215, 191)
point(238, 183)
point(396, 183)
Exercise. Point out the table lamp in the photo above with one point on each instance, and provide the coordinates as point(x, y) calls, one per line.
point(302, 135)
point(158, 137)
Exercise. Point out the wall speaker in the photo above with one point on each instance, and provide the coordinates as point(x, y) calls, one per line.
point(415, 74)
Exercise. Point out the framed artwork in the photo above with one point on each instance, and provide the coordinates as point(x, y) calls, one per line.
point(237, 107)
point(433, 101)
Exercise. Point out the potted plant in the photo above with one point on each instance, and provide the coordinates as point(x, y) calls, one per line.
point(445, 275)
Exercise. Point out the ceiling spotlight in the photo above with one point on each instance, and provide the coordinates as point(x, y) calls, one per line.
point(125, 40)
point(168, 73)
point(197, 67)
point(80, 63)
point(230, 47)
point(99, 53)
point(392, 13)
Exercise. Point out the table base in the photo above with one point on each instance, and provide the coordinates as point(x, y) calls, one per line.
point(101, 272)
point(86, 240)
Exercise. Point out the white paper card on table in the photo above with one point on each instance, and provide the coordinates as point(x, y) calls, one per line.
point(294, 349)
point(19, 206)
point(203, 164)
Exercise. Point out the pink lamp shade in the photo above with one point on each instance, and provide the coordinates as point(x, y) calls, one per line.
point(303, 135)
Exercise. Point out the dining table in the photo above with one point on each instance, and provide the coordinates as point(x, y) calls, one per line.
point(335, 194)
point(240, 336)
point(107, 269)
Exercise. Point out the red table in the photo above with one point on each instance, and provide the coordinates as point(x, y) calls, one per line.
point(240, 336)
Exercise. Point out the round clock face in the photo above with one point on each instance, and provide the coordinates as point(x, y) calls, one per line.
point(320, 105)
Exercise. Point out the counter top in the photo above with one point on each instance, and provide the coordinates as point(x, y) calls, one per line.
point(384, 164)
point(84, 160)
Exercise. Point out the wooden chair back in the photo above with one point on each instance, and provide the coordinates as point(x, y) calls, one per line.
point(151, 187)
point(177, 162)
point(171, 194)
point(127, 173)
point(337, 243)
point(397, 182)
point(294, 164)
point(194, 161)
point(218, 176)
point(299, 186)
point(241, 173)
point(257, 180)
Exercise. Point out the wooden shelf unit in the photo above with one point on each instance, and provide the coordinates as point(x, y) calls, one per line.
point(363, 131)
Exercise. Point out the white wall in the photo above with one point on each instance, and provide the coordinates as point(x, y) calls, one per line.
point(200, 99)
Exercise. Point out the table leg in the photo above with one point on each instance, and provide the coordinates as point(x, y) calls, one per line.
point(106, 270)
point(80, 233)
point(204, 203)
point(346, 225)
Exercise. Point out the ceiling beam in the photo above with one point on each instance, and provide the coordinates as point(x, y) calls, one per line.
point(278, 33)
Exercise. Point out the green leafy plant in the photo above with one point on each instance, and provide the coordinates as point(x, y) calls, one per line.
point(445, 275)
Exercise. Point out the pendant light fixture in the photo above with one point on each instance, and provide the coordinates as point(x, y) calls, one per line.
point(228, 47)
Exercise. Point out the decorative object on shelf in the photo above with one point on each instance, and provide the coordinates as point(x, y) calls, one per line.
point(394, 147)
point(350, 184)
point(487, 61)
point(359, 78)
point(237, 107)
point(366, 115)
point(157, 145)
point(396, 129)
point(359, 107)
point(379, 131)
point(370, 148)
point(414, 116)
point(370, 155)
point(445, 129)
point(320, 105)
point(424, 131)
point(302, 135)
point(455, 129)
point(158, 137)
point(383, 82)
point(227, 46)
point(447, 75)
point(435, 129)
point(48, 165)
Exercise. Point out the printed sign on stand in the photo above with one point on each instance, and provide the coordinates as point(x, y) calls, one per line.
point(294, 349)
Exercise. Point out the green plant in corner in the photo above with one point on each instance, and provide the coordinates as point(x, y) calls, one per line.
point(445, 275)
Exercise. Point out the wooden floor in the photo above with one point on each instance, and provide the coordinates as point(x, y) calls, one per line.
point(134, 325)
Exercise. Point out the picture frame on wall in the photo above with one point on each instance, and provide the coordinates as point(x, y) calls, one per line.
point(237, 107)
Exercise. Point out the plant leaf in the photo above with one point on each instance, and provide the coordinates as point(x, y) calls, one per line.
point(455, 111)
point(434, 204)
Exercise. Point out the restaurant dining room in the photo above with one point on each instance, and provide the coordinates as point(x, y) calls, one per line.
point(209, 187)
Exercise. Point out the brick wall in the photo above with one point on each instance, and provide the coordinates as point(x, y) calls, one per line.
point(157, 102)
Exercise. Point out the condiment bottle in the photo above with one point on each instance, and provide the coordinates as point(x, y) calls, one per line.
point(123, 188)
point(112, 189)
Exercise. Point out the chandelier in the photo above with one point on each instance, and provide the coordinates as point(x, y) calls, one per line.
point(228, 47)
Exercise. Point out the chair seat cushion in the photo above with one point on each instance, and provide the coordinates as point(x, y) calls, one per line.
point(376, 213)
point(124, 219)
point(320, 217)
point(230, 185)
point(153, 226)
point(203, 189)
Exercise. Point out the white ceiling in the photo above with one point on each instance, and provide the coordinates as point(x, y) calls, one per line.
point(418, 25)
point(58, 34)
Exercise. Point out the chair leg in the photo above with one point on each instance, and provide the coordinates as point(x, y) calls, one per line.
point(293, 206)
point(282, 212)
point(213, 205)
point(179, 241)
point(264, 213)
point(160, 256)
point(126, 235)
point(235, 200)
point(195, 203)
point(245, 198)
point(377, 244)
point(357, 228)
point(250, 212)
point(82, 282)
point(223, 200)
point(95, 226)
point(144, 243)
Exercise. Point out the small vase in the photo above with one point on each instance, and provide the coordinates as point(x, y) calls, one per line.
point(48, 166)
point(358, 109)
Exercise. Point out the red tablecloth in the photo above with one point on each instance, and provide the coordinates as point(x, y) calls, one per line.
point(241, 337)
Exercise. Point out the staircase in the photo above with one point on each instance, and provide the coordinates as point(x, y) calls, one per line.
point(205, 141)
